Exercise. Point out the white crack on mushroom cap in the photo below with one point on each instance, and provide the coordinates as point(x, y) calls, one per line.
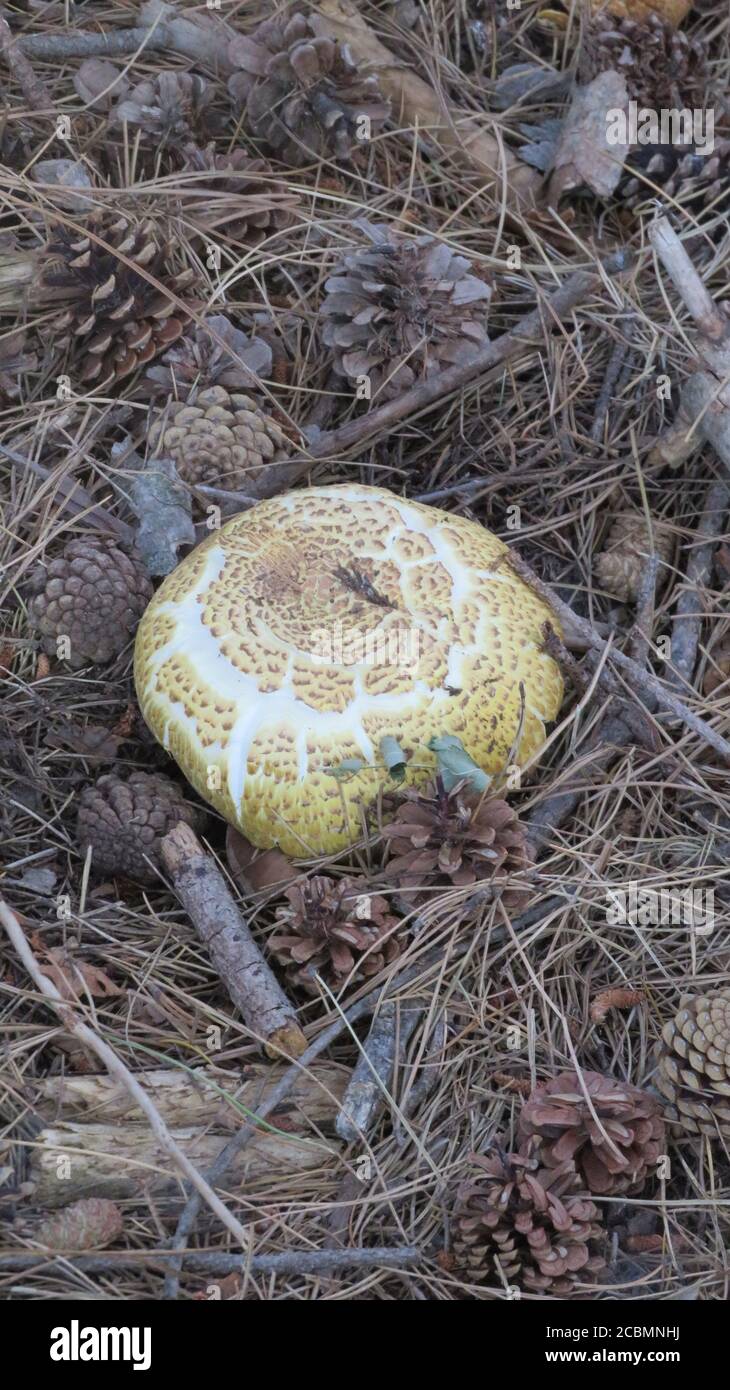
point(307, 629)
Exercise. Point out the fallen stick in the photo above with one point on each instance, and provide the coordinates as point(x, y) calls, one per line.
point(88, 1038)
point(689, 612)
point(251, 983)
point(35, 92)
point(125, 1162)
point(289, 1262)
point(645, 605)
point(185, 1096)
point(368, 1089)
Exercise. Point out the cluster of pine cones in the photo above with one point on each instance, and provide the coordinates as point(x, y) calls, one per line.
point(528, 1218)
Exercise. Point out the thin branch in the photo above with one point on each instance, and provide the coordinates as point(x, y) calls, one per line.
point(689, 613)
point(288, 1262)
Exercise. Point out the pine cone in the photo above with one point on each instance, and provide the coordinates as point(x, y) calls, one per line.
point(118, 318)
point(172, 108)
point(241, 202)
point(301, 90)
point(519, 1222)
point(663, 66)
point(697, 180)
point(694, 1064)
point(214, 354)
point(620, 565)
point(615, 1155)
point(458, 837)
point(125, 821)
point(218, 438)
point(717, 671)
point(337, 927)
point(402, 309)
point(94, 594)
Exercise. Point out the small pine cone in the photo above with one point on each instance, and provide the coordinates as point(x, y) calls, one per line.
point(172, 108)
point(117, 319)
point(218, 438)
point(459, 837)
point(717, 671)
point(528, 1225)
point(694, 1064)
point(663, 66)
point(402, 309)
point(125, 821)
point(615, 1154)
point(93, 1223)
point(620, 565)
point(338, 928)
point(301, 90)
point(212, 354)
point(242, 201)
point(93, 593)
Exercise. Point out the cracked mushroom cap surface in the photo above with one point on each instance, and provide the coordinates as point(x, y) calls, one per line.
point(309, 628)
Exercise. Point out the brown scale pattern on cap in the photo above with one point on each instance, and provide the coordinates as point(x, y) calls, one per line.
point(272, 655)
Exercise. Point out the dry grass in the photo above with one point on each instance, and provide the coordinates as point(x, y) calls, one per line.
point(522, 439)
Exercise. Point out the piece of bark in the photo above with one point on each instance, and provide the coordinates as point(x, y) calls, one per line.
point(368, 1090)
point(251, 983)
point(123, 1160)
point(690, 609)
point(415, 103)
point(583, 156)
point(186, 1098)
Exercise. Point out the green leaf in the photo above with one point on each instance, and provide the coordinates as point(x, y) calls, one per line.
point(394, 758)
point(455, 765)
point(346, 769)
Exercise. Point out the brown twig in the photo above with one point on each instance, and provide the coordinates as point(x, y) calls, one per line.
point(18, 62)
point(116, 1068)
point(251, 983)
point(288, 1262)
point(689, 612)
point(645, 604)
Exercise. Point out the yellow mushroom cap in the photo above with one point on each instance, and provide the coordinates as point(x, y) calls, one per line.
point(306, 630)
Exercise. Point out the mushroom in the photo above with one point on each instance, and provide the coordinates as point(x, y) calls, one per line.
point(277, 657)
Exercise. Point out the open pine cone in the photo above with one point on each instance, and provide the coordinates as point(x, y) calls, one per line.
point(615, 1154)
point(697, 179)
point(336, 927)
point(529, 1225)
point(620, 565)
point(172, 108)
point(212, 354)
point(125, 822)
point(117, 319)
point(694, 1064)
point(240, 202)
point(218, 438)
point(401, 309)
point(457, 837)
point(94, 593)
point(301, 91)
point(663, 66)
